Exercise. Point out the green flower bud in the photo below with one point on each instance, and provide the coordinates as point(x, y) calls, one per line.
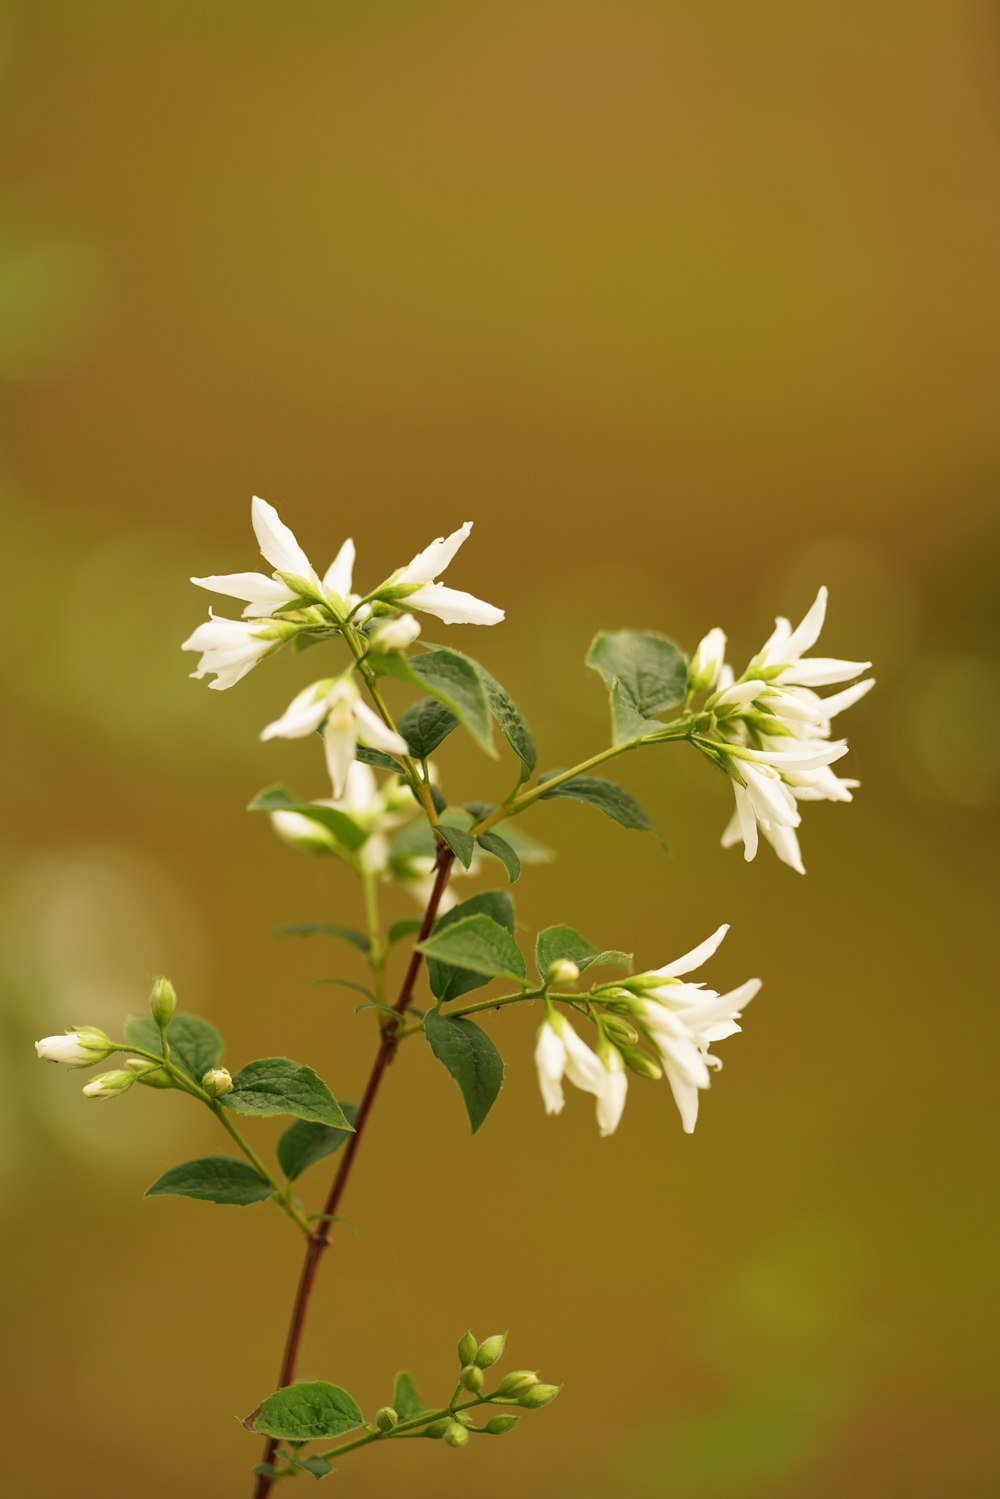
point(517, 1382)
point(153, 1077)
point(639, 1062)
point(83, 1046)
point(539, 1395)
point(456, 1435)
point(162, 1002)
point(436, 1429)
point(110, 1084)
point(386, 1418)
point(490, 1350)
point(472, 1379)
point(217, 1081)
point(618, 1030)
point(562, 971)
point(467, 1346)
point(497, 1425)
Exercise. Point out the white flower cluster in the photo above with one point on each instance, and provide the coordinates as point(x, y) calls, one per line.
point(774, 730)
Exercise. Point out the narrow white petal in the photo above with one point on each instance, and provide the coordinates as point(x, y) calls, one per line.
point(373, 731)
point(452, 606)
point(550, 1061)
point(838, 701)
point(339, 744)
point(696, 957)
point(262, 594)
point(747, 821)
point(611, 1100)
point(303, 715)
point(432, 561)
point(583, 1066)
point(785, 843)
point(805, 635)
point(340, 574)
point(822, 671)
point(685, 1097)
point(731, 833)
point(277, 542)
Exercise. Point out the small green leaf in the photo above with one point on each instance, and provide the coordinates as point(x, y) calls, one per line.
point(478, 943)
point(343, 828)
point(645, 674)
point(317, 1465)
point(461, 843)
point(607, 796)
point(307, 1412)
point(471, 1058)
point(214, 1178)
point(375, 757)
point(402, 929)
point(449, 677)
point(563, 942)
point(426, 724)
point(276, 1085)
point(501, 849)
point(195, 1044)
point(303, 1143)
point(447, 982)
point(513, 724)
point(405, 1400)
point(324, 929)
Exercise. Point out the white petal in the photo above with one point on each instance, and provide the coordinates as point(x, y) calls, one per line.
point(611, 1100)
point(584, 1068)
point(550, 1061)
point(747, 822)
point(374, 732)
point(452, 606)
point(432, 561)
point(340, 574)
point(785, 843)
point(339, 744)
point(262, 594)
point(805, 635)
point(685, 1097)
point(822, 671)
point(838, 701)
point(770, 798)
point(722, 1007)
point(277, 543)
point(740, 695)
point(696, 957)
point(303, 715)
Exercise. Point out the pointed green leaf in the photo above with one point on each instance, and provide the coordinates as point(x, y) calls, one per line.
point(461, 843)
point(426, 724)
point(405, 1400)
point(513, 724)
point(343, 828)
point(402, 929)
point(478, 943)
point(324, 929)
point(501, 849)
point(607, 796)
point(447, 982)
point(307, 1412)
point(214, 1178)
point(471, 1058)
point(645, 673)
point(277, 1085)
point(317, 1465)
point(563, 942)
point(449, 677)
point(304, 1143)
point(375, 757)
point(195, 1044)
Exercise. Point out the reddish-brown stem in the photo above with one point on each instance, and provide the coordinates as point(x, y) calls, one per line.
point(319, 1239)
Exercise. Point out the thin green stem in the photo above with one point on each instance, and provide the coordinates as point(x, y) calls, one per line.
point(282, 1194)
point(425, 1418)
point(376, 947)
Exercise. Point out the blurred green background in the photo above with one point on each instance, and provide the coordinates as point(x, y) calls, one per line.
point(691, 307)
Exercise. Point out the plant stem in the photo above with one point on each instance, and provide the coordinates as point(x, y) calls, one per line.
point(319, 1238)
point(282, 1195)
point(413, 775)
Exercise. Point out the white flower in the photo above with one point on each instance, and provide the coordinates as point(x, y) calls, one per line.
point(683, 1019)
point(707, 661)
point(559, 1053)
point(372, 807)
point(417, 584)
point(337, 705)
point(395, 634)
point(779, 659)
point(294, 575)
point(82, 1047)
point(232, 647)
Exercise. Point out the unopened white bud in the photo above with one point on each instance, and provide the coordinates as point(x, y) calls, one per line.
point(395, 634)
point(217, 1081)
point(562, 971)
point(110, 1084)
point(83, 1047)
point(707, 661)
point(304, 833)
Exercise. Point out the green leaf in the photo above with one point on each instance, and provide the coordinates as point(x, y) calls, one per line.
point(470, 1057)
point(324, 929)
point(405, 1400)
point(317, 1465)
point(563, 942)
point(426, 724)
point(304, 1143)
point(349, 984)
point(276, 1085)
point(376, 757)
point(645, 674)
point(214, 1178)
point(511, 720)
point(607, 796)
point(402, 929)
point(452, 679)
point(461, 843)
point(501, 849)
point(343, 828)
point(478, 943)
point(447, 982)
point(306, 1412)
point(195, 1044)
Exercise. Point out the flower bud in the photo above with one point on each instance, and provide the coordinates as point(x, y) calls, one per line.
point(217, 1081)
point(497, 1425)
point(84, 1046)
point(162, 1002)
point(386, 1418)
point(456, 1435)
point(562, 971)
point(490, 1350)
point(149, 1074)
point(539, 1395)
point(517, 1382)
point(395, 634)
point(436, 1429)
point(304, 833)
point(638, 1061)
point(706, 663)
point(467, 1346)
point(472, 1379)
point(110, 1084)
point(618, 1030)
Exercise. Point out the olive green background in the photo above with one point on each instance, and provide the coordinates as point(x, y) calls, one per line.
point(691, 308)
